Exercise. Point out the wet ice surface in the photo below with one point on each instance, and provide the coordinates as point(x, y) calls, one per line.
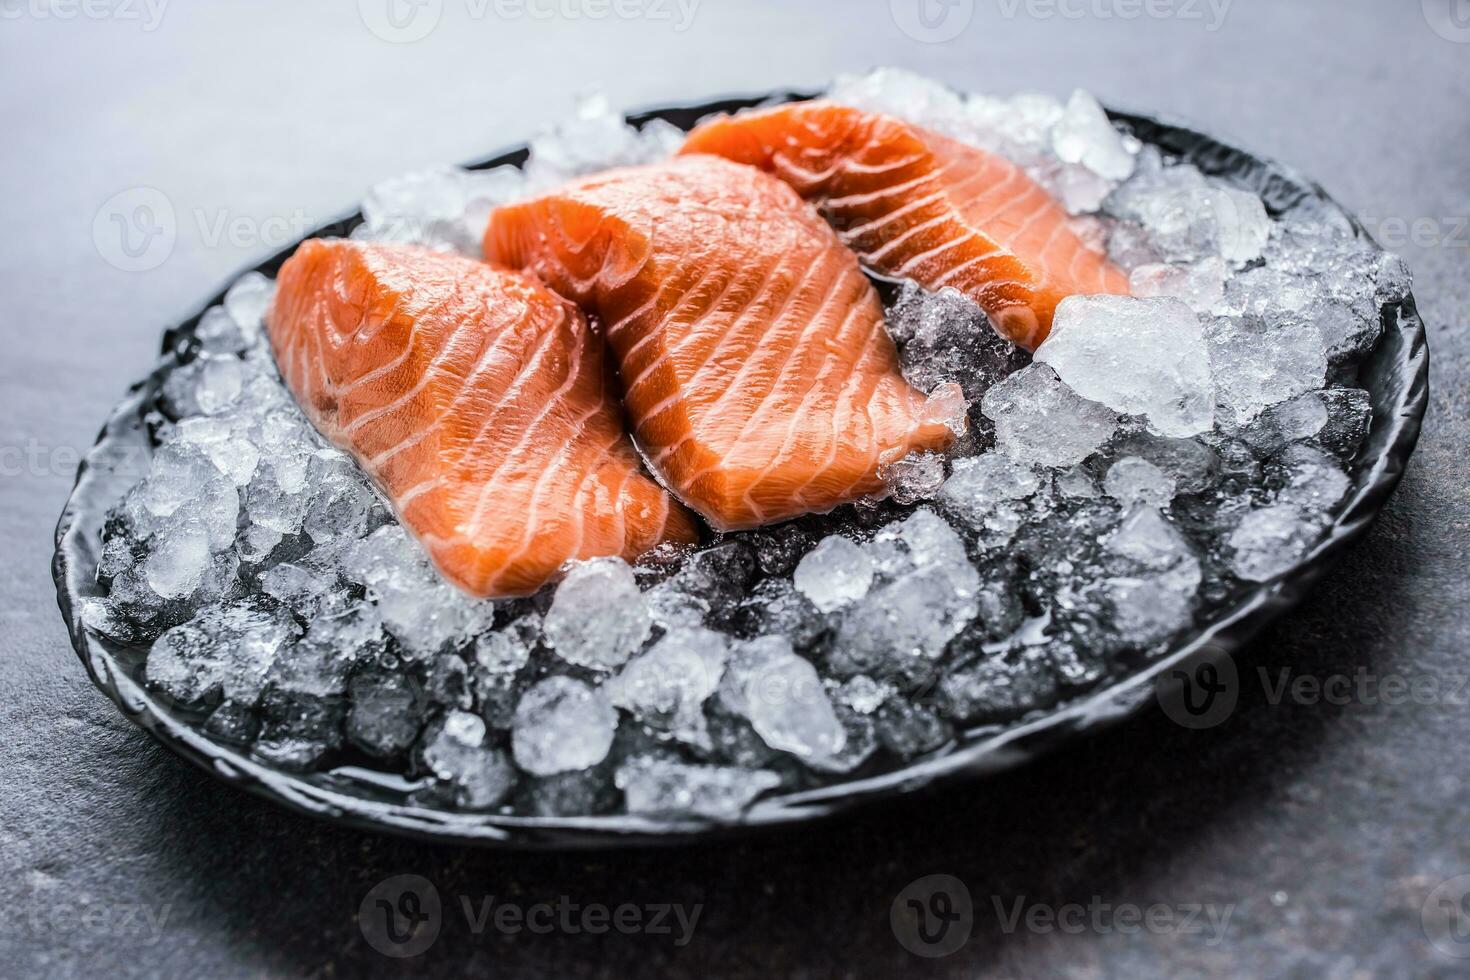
point(1159, 455)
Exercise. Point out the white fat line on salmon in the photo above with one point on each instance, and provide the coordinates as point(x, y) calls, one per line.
point(1193, 10)
point(680, 12)
point(150, 12)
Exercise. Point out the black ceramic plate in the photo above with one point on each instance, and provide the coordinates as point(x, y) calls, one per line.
point(1396, 375)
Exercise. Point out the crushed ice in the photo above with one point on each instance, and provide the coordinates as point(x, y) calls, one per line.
point(1160, 454)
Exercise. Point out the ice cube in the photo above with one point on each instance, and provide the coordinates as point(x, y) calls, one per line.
point(910, 96)
point(1309, 479)
point(1146, 610)
point(448, 682)
point(562, 724)
point(1040, 420)
point(1154, 596)
point(178, 563)
point(834, 574)
point(1296, 420)
point(1269, 541)
point(223, 650)
point(219, 384)
point(218, 332)
point(231, 452)
point(1200, 285)
point(1129, 246)
point(430, 208)
point(1144, 357)
point(479, 776)
point(598, 618)
point(999, 687)
point(385, 714)
point(1085, 135)
point(916, 477)
point(1193, 466)
point(666, 687)
point(990, 494)
point(1190, 217)
point(661, 787)
point(1148, 540)
point(907, 729)
point(1132, 480)
point(1256, 366)
point(929, 596)
point(781, 696)
point(863, 694)
point(501, 663)
point(247, 301)
point(424, 613)
point(339, 498)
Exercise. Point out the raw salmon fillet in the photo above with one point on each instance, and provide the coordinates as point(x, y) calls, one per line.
point(917, 205)
point(756, 369)
point(478, 400)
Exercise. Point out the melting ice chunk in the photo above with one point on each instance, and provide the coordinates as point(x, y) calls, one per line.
point(1040, 420)
point(562, 724)
point(598, 617)
point(1085, 135)
point(1154, 596)
point(989, 493)
point(781, 696)
point(1136, 356)
point(479, 776)
point(659, 786)
point(1268, 541)
point(1190, 217)
point(1132, 480)
point(834, 574)
point(666, 687)
point(1257, 366)
point(916, 477)
point(929, 596)
point(224, 650)
point(1200, 285)
point(247, 301)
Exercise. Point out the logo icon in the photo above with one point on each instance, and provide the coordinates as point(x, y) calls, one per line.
point(1446, 917)
point(1450, 19)
point(401, 21)
point(400, 916)
point(135, 230)
point(933, 916)
point(932, 21)
point(1199, 695)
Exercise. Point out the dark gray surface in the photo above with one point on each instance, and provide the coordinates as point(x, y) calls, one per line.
point(1323, 827)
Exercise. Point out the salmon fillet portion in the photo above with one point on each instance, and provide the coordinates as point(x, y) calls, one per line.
point(757, 372)
point(917, 205)
point(478, 400)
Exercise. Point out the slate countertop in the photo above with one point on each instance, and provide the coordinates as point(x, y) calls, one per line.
point(1307, 835)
